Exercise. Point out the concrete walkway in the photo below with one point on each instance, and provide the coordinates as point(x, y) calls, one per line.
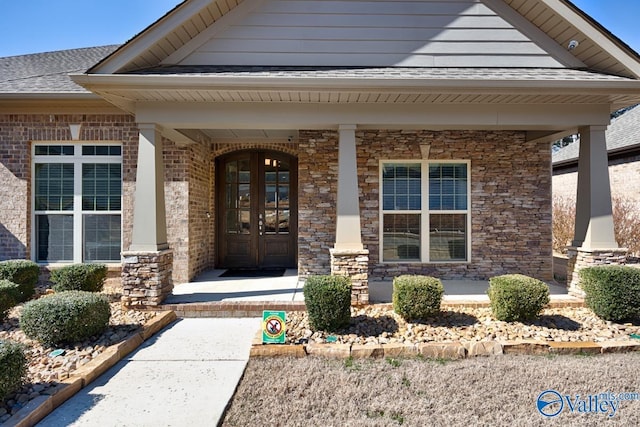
point(210, 286)
point(184, 376)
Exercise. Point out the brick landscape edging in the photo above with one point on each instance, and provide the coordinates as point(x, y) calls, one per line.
point(35, 410)
point(436, 350)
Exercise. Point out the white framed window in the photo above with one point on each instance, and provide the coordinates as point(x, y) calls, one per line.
point(425, 211)
point(77, 202)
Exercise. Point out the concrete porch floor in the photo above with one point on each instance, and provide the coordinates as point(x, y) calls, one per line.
point(210, 287)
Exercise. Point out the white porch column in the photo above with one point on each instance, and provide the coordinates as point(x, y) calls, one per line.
point(149, 216)
point(594, 217)
point(348, 231)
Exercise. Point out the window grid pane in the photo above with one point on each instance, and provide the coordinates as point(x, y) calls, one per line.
point(401, 238)
point(448, 186)
point(102, 236)
point(54, 150)
point(54, 237)
point(401, 186)
point(101, 186)
point(53, 187)
point(448, 237)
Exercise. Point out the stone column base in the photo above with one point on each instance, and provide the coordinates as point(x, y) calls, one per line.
point(146, 278)
point(579, 258)
point(354, 264)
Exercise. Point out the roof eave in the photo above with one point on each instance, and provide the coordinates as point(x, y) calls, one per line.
point(209, 82)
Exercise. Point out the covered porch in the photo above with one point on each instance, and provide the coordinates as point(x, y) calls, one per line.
point(212, 287)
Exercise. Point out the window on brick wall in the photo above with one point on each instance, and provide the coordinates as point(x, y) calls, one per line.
point(77, 199)
point(425, 211)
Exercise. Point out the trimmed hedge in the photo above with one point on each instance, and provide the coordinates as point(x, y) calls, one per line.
point(9, 295)
point(328, 301)
point(13, 367)
point(23, 272)
point(65, 317)
point(417, 297)
point(79, 277)
point(515, 297)
point(612, 292)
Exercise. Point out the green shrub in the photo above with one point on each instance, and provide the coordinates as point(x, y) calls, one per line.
point(23, 272)
point(516, 297)
point(79, 277)
point(328, 301)
point(65, 317)
point(417, 297)
point(13, 367)
point(612, 292)
point(9, 295)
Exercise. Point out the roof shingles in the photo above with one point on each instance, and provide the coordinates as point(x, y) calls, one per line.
point(623, 132)
point(48, 72)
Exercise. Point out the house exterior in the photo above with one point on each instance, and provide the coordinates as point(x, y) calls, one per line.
point(623, 150)
point(347, 137)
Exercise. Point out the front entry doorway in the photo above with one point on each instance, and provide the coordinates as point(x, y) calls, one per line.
point(257, 210)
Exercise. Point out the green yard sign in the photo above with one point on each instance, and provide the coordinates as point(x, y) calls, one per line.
point(273, 327)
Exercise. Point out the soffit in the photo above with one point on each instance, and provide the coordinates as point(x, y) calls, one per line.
point(598, 48)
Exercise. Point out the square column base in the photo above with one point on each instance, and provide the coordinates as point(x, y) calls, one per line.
point(146, 278)
point(579, 258)
point(355, 265)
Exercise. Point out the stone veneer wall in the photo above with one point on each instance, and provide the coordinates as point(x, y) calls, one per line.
point(317, 200)
point(510, 202)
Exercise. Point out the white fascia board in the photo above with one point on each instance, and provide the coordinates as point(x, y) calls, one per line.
point(150, 36)
point(124, 82)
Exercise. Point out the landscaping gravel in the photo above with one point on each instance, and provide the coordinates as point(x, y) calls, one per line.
point(45, 370)
point(378, 324)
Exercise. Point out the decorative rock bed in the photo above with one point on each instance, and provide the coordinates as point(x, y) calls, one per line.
point(379, 324)
point(376, 331)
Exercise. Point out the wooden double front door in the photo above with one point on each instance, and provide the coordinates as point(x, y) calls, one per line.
point(257, 210)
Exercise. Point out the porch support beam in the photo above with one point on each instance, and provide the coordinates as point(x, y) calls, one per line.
point(594, 215)
point(348, 229)
point(149, 216)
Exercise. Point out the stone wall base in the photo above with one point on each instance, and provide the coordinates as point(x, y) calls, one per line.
point(579, 258)
point(146, 278)
point(354, 264)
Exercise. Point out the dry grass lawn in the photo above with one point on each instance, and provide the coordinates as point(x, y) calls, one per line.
point(489, 391)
